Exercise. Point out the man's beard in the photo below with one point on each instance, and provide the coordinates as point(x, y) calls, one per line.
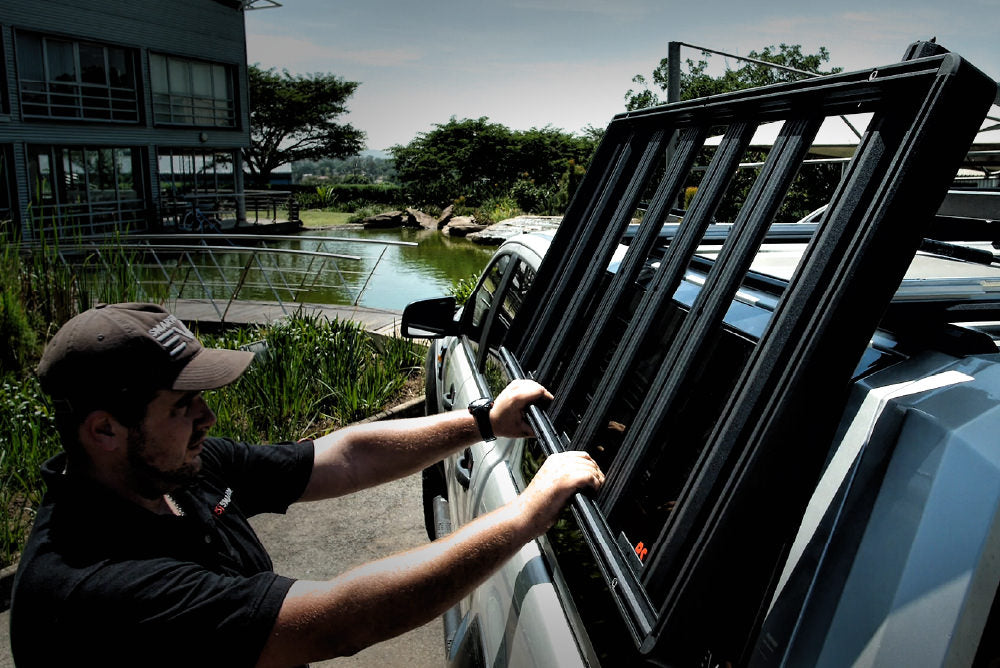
point(148, 480)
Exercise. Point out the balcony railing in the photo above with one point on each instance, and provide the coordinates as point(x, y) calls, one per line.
point(97, 102)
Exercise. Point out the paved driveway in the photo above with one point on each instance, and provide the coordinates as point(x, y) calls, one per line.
point(317, 541)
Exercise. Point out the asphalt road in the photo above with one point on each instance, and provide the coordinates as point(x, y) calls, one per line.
point(319, 540)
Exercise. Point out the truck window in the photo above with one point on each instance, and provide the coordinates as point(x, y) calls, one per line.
point(483, 300)
point(520, 280)
point(495, 304)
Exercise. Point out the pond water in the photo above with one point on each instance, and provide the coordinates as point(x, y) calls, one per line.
point(385, 275)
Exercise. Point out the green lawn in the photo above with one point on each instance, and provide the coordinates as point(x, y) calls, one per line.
point(318, 217)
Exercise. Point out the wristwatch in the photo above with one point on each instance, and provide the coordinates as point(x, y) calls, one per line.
point(480, 409)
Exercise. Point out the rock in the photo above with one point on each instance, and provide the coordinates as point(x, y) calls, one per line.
point(417, 218)
point(460, 226)
point(385, 220)
point(446, 216)
point(496, 234)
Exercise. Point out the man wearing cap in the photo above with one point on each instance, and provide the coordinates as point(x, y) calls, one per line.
point(141, 553)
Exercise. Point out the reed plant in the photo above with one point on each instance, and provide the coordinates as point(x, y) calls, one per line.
point(38, 293)
point(27, 438)
point(310, 376)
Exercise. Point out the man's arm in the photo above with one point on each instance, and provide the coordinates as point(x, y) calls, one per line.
point(320, 620)
point(361, 456)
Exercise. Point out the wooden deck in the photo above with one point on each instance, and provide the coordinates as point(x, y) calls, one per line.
point(201, 312)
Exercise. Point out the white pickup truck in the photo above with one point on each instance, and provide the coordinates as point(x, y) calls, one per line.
point(800, 423)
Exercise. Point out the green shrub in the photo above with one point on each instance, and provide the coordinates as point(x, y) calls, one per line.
point(531, 197)
point(367, 211)
point(462, 288)
point(496, 209)
point(568, 183)
point(326, 195)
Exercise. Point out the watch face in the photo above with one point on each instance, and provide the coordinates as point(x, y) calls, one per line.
point(480, 404)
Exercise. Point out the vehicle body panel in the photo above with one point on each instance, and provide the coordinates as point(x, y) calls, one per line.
point(908, 570)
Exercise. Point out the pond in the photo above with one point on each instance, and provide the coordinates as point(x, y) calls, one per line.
point(387, 276)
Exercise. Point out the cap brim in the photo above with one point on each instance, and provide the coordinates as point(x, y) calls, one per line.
point(212, 368)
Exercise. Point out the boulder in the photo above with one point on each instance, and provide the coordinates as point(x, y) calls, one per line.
point(496, 234)
point(385, 220)
point(446, 216)
point(417, 218)
point(460, 226)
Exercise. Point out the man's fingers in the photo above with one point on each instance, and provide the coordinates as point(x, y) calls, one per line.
point(509, 408)
point(580, 466)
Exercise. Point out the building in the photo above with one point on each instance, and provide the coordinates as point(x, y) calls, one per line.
point(120, 115)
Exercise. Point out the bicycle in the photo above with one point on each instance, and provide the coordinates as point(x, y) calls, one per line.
point(196, 221)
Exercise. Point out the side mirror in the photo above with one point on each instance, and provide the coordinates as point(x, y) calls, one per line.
point(429, 319)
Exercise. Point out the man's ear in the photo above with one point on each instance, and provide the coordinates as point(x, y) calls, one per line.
point(101, 430)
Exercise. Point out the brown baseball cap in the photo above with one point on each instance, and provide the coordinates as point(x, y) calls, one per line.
point(122, 347)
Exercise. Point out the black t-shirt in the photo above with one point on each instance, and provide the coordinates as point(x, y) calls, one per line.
point(103, 581)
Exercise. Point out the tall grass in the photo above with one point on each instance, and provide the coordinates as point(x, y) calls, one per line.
point(38, 293)
point(310, 376)
point(27, 438)
point(313, 376)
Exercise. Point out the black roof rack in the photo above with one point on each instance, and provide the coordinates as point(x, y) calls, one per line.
point(714, 558)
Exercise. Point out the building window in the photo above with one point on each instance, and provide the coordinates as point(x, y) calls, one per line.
point(191, 92)
point(195, 171)
point(86, 190)
point(195, 177)
point(68, 79)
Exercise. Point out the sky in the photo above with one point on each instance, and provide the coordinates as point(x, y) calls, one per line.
point(568, 64)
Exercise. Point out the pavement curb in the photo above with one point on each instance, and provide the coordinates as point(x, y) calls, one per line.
point(412, 408)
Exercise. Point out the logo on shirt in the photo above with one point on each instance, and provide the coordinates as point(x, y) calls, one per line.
point(223, 503)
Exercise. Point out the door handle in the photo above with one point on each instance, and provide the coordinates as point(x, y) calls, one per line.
point(463, 469)
point(448, 400)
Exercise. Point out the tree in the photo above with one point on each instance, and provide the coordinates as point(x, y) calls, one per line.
point(356, 169)
point(293, 117)
point(695, 82)
point(477, 160)
point(813, 185)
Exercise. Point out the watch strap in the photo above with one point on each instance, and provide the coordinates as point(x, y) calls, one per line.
point(480, 410)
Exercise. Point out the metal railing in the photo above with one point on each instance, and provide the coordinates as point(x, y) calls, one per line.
point(221, 270)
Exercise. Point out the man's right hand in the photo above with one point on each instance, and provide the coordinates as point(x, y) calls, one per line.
point(561, 475)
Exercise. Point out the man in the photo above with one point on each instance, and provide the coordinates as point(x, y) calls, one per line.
point(141, 553)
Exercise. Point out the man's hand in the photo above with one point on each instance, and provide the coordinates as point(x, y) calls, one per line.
point(507, 415)
point(560, 476)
